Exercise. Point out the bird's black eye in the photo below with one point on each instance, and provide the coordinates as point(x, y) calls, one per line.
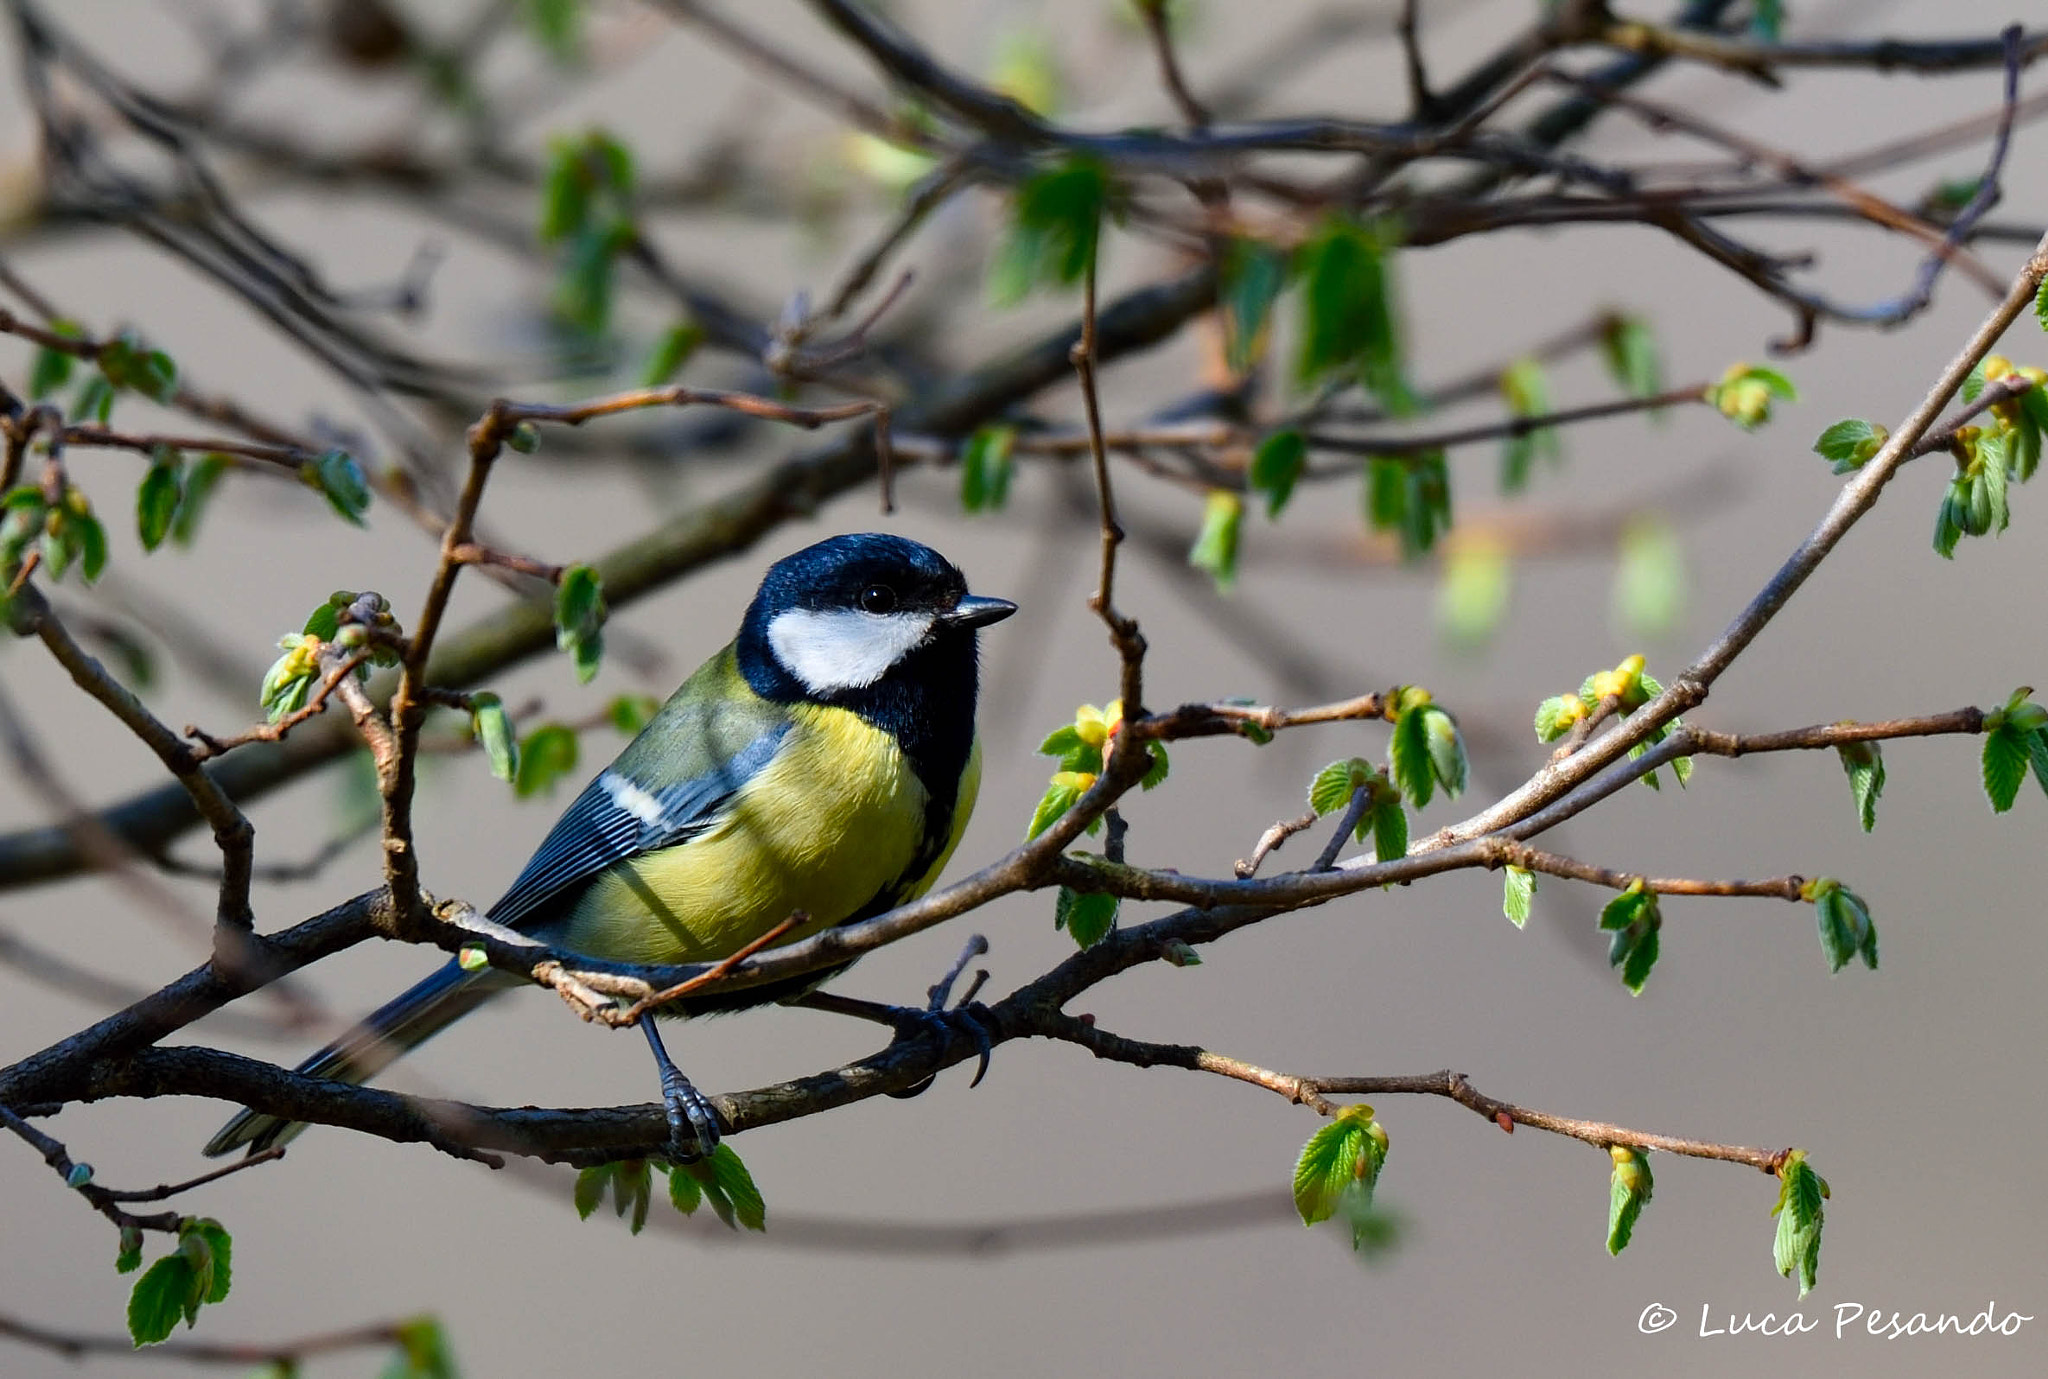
point(878, 598)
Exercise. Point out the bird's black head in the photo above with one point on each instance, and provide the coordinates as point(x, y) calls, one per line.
point(882, 627)
point(852, 613)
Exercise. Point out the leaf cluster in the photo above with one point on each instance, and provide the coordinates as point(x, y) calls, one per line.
point(199, 1271)
point(721, 1179)
point(1800, 1216)
point(587, 206)
point(1338, 1169)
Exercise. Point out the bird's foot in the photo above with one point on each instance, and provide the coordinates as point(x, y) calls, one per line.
point(967, 1021)
point(693, 1131)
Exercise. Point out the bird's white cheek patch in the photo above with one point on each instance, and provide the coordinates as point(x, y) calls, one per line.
point(843, 648)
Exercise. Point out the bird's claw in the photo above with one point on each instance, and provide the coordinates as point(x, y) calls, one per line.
point(945, 1028)
point(693, 1131)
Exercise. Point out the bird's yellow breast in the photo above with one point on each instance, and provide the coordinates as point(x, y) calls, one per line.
point(836, 818)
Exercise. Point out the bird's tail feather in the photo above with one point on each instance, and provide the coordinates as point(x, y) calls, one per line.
point(381, 1038)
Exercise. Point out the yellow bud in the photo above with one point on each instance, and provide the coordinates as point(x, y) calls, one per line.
point(1996, 366)
point(2035, 376)
point(1573, 709)
point(1606, 684)
point(1092, 725)
point(1621, 1153)
point(1113, 713)
point(1075, 780)
point(1630, 668)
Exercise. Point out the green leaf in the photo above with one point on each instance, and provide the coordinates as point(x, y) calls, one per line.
point(1386, 493)
point(1948, 529)
point(1555, 716)
point(1155, 774)
point(493, 728)
point(340, 480)
point(1850, 444)
point(1473, 596)
point(1075, 752)
point(1411, 497)
point(1864, 762)
point(1250, 275)
point(546, 754)
point(583, 292)
point(1992, 481)
point(130, 1257)
point(1333, 786)
point(671, 352)
point(724, 1181)
point(557, 25)
point(590, 1186)
point(1518, 899)
point(423, 1352)
point(2005, 766)
point(1745, 392)
point(2026, 438)
point(1630, 349)
point(1650, 578)
point(1446, 749)
point(95, 401)
point(2037, 755)
point(1349, 321)
point(1215, 548)
point(1634, 918)
point(1640, 958)
point(1800, 1216)
point(579, 619)
point(156, 501)
point(49, 371)
point(685, 1193)
point(92, 543)
point(1054, 229)
point(564, 194)
point(1767, 19)
point(1846, 930)
point(200, 482)
point(631, 713)
point(212, 1250)
point(157, 376)
point(630, 1180)
point(1526, 390)
point(159, 1299)
point(1838, 937)
point(2041, 304)
point(1059, 797)
point(1389, 831)
point(1087, 915)
point(1276, 467)
point(1973, 382)
point(324, 622)
point(1627, 907)
point(986, 464)
point(1410, 756)
point(1340, 1154)
point(1629, 1189)
point(290, 678)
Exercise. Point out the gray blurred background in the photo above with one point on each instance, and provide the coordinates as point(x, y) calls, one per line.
point(1916, 1089)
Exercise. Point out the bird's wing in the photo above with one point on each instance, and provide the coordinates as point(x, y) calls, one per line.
point(669, 784)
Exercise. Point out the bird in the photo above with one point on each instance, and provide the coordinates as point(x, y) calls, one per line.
point(823, 763)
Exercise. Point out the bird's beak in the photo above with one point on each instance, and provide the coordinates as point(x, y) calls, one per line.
point(975, 611)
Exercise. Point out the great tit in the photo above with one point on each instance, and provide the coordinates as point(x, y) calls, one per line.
point(825, 762)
